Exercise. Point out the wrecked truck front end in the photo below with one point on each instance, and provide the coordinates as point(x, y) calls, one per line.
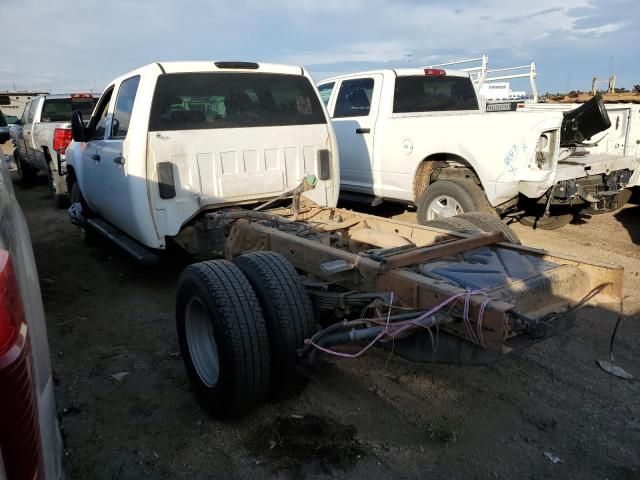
point(594, 181)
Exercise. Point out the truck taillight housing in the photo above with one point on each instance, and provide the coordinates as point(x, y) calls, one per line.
point(431, 72)
point(61, 139)
point(20, 445)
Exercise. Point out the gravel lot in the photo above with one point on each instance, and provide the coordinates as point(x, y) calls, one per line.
point(127, 411)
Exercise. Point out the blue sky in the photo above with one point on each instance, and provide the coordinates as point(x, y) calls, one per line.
point(77, 45)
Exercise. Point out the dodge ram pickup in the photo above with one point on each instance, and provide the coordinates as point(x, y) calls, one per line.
point(43, 134)
point(236, 163)
point(422, 137)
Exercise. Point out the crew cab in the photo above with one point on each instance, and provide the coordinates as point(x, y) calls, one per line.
point(170, 140)
point(422, 137)
point(42, 135)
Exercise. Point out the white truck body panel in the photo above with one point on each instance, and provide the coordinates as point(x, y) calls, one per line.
point(211, 167)
point(500, 147)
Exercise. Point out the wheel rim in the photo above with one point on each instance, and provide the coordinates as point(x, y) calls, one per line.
point(202, 345)
point(442, 207)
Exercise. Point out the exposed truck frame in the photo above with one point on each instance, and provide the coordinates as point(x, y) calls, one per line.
point(353, 264)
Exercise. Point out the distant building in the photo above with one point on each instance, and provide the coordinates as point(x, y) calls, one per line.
point(13, 103)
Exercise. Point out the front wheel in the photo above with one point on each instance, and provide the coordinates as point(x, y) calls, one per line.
point(448, 198)
point(79, 211)
point(223, 338)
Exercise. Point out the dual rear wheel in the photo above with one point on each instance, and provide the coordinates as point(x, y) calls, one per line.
point(240, 325)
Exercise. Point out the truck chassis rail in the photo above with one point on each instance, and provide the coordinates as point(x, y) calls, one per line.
point(419, 268)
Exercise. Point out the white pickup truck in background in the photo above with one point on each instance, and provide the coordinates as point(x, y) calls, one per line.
point(42, 135)
point(422, 137)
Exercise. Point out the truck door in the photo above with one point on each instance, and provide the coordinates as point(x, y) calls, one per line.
point(115, 195)
point(26, 150)
point(354, 120)
point(91, 181)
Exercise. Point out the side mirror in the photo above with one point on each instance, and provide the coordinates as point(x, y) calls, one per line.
point(78, 128)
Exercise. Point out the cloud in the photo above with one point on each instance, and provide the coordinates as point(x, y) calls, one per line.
point(101, 39)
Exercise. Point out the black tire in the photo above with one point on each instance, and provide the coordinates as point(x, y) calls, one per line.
point(552, 222)
point(89, 235)
point(453, 224)
point(467, 193)
point(60, 200)
point(26, 172)
point(288, 313)
point(489, 223)
point(218, 317)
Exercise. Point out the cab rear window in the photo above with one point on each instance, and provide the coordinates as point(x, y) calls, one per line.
point(419, 93)
point(60, 109)
point(197, 101)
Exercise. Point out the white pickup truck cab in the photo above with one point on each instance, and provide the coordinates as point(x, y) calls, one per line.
point(42, 135)
point(172, 140)
point(422, 137)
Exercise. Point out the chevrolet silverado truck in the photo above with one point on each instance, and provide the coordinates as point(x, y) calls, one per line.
point(422, 137)
point(42, 135)
point(237, 164)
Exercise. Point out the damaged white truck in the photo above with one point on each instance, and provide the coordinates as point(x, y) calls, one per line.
point(422, 137)
point(237, 163)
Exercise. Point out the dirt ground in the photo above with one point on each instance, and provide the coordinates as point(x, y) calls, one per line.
point(127, 411)
point(628, 97)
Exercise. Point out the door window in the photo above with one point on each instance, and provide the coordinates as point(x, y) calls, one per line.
point(354, 98)
point(124, 107)
point(325, 91)
point(101, 116)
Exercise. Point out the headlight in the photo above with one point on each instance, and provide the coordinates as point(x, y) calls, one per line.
point(546, 148)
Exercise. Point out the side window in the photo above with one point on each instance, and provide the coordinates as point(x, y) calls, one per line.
point(325, 92)
point(354, 98)
point(100, 116)
point(124, 107)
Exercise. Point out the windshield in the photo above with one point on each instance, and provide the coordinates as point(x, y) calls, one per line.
point(196, 101)
point(423, 93)
point(60, 109)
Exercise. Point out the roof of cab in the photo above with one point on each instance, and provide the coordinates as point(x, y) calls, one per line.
point(158, 68)
point(215, 66)
point(399, 72)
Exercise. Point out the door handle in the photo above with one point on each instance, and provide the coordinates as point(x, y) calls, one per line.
point(363, 130)
point(119, 160)
point(95, 157)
